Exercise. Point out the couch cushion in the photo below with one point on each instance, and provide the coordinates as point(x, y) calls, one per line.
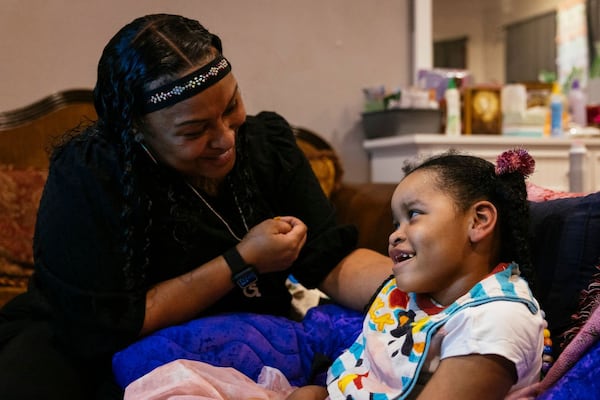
point(565, 250)
point(368, 206)
point(322, 157)
point(13, 279)
point(20, 193)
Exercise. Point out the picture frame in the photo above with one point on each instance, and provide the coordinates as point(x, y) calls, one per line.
point(482, 110)
point(538, 93)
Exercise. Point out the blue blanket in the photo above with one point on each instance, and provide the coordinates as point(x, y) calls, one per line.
point(582, 381)
point(247, 342)
point(301, 350)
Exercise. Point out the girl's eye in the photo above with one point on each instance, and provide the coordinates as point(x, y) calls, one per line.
point(413, 213)
point(396, 224)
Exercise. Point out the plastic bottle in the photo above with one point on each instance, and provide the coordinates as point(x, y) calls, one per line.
point(577, 156)
point(556, 111)
point(452, 97)
point(513, 99)
point(577, 104)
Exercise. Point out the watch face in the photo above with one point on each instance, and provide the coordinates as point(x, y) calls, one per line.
point(246, 278)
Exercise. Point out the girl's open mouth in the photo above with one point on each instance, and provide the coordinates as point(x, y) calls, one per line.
point(402, 256)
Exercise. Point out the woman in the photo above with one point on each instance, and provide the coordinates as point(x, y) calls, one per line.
point(173, 205)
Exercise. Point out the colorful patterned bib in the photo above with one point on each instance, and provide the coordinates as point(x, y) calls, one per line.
point(386, 359)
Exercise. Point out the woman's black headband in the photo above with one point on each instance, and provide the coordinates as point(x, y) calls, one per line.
point(187, 86)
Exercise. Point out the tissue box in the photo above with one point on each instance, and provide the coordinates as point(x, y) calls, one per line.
point(401, 121)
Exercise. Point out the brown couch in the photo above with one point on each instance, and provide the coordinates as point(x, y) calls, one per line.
point(367, 205)
point(25, 135)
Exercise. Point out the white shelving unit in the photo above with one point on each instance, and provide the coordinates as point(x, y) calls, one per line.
point(388, 154)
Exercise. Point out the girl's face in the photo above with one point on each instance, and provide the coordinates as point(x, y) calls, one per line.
point(430, 243)
point(197, 136)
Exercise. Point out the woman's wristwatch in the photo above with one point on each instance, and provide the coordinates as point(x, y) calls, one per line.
point(242, 274)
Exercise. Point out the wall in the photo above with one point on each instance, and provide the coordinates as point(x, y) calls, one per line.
point(459, 18)
point(483, 22)
point(307, 60)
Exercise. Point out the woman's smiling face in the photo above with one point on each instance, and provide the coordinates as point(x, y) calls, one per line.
point(197, 136)
point(430, 241)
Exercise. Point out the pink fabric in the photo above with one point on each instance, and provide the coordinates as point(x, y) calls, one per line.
point(539, 193)
point(588, 301)
point(587, 336)
point(194, 380)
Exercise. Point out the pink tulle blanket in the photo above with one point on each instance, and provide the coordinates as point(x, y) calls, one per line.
point(195, 380)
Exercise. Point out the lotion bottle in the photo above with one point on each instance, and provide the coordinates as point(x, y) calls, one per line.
point(556, 111)
point(577, 104)
point(453, 118)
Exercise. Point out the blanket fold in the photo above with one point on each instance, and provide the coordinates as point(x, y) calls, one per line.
point(248, 342)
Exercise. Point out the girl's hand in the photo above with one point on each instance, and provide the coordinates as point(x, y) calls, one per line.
point(311, 392)
point(274, 244)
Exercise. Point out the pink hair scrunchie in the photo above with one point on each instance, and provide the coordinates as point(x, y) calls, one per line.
point(515, 160)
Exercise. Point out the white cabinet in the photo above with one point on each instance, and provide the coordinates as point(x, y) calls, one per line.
point(387, 155)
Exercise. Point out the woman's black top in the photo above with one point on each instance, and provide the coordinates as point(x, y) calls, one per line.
point(79, 284)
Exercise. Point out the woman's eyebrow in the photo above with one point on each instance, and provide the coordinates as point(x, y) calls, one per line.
point(199, 121)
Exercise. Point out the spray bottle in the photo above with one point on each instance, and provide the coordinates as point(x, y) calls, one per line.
point(577, 104)
point(452, 96)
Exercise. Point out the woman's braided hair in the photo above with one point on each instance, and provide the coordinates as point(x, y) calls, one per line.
point(148, 52)
point(470, 179)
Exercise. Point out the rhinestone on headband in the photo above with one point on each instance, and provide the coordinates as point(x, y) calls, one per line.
point(187, 86)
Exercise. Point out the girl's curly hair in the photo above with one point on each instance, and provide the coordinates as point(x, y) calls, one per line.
point(470, 179)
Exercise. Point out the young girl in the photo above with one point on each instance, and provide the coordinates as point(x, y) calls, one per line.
point(455, 321)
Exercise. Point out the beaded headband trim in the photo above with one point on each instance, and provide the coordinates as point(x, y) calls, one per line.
point(187, 86)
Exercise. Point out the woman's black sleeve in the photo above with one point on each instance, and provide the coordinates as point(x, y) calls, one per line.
point(296, 191)
point(78, 260)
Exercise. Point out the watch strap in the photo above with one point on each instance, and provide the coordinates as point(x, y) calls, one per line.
point(235, 261)
point(241, 273)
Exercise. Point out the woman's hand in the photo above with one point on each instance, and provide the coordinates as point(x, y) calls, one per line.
point(274, 244)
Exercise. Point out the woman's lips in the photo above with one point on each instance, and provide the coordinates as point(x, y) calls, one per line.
point(220, 159)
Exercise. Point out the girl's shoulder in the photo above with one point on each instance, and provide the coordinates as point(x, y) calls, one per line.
point(504, 328)
point(496, 319)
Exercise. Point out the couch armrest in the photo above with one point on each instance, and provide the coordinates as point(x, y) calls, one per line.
point(367, 206)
